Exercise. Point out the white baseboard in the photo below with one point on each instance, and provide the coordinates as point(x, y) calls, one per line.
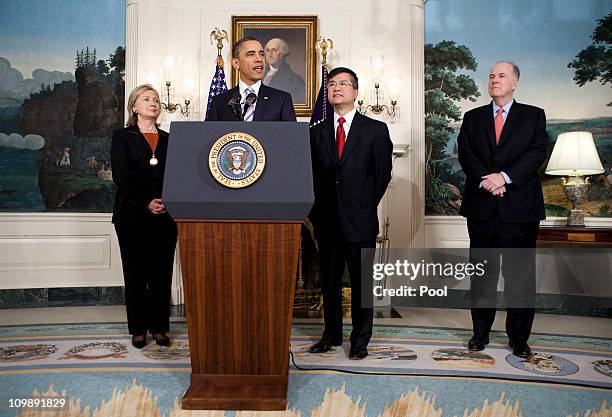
point(451, 231)
point(48, 250)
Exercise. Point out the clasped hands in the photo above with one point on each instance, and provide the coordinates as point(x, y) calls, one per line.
point(495, 184)
point(156, 206)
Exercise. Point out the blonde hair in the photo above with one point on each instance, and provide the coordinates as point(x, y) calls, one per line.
point(133, 118)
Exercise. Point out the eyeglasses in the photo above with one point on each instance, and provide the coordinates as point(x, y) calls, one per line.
point(342, 83)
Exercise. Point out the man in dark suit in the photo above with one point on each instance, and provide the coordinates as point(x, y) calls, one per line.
point(251, 100)
point(501, 148)
point(351, 159)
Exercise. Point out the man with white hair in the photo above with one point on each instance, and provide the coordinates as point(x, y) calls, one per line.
point(279, 74)
point(501, 148)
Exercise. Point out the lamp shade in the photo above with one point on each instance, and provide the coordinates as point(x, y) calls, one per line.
point(574, 154)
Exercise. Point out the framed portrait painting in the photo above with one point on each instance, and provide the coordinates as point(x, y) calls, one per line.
point(289, 45)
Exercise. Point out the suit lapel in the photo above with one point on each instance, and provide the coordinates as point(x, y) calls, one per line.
point(329, 139)
point(139, 138)
point(353, 137)
point(162, 144)
point(262, 103)
point(489, 124)
point(511, 121)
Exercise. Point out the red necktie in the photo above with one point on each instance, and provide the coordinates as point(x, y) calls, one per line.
point(499, 124)
point(340, 137)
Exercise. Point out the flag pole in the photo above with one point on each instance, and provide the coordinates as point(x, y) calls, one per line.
point(322, 107)
point(217, 84)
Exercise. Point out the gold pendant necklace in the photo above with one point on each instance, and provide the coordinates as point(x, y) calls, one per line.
point(153, 161)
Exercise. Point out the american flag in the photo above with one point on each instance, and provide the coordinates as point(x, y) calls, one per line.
point(217, 84)
point(322, 107)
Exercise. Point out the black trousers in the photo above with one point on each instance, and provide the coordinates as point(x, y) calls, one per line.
point(518, 267)
point(147, 254)
point(334, 252)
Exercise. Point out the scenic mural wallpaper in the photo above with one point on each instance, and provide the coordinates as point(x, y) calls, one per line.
point(62, 64)
point(564, 51)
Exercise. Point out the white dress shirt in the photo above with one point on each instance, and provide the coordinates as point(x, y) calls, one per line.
point(347, 124)
point(242, 87)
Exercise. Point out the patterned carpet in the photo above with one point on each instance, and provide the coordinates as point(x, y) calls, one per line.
point(412, 371)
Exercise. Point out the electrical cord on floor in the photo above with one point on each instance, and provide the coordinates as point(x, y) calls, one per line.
point(348, 371)
point(344, 371)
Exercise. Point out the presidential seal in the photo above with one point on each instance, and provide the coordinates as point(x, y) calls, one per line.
point(236, 160)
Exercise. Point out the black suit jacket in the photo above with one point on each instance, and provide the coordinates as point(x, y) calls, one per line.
point(520, 153)
point(272, 105)
point(348, 190)
point(138, 182)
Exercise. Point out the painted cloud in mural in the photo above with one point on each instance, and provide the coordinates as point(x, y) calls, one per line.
point(15, 140)
point(13, 86)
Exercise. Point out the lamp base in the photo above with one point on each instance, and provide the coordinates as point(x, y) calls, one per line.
point(576, 218)
point(575, 188)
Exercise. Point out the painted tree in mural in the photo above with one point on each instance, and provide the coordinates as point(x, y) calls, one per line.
point(443, 88)
point(85, 58)
point(595, 61)
point(116, 64)
point(117, 60)
point(76, 120)
point(113, 69)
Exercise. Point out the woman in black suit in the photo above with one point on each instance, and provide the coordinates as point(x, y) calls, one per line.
point(146, 233)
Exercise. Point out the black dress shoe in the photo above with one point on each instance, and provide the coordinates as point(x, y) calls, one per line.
point(139, 341)
point(358, 352)
point(476, 344)
point(522, 351)
point(323, 345)
point(161, 339)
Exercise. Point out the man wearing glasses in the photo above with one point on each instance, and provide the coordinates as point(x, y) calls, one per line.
point(351, 159)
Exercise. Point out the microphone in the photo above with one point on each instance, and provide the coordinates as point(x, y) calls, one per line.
point(234, 105)
point(248, 102)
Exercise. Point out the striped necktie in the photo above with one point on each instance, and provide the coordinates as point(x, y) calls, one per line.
point(248, 116)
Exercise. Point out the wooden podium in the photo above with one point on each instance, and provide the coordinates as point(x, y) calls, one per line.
point(239, 254)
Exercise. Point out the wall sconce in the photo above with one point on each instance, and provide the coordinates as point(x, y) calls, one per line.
point(171, 107)
point(574, 156)
point(377, 65)
point(377, 108)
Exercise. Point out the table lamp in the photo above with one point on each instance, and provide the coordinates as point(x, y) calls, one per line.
point(574, 157)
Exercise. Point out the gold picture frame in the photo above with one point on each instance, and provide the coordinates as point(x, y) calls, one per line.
point(300, 34)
